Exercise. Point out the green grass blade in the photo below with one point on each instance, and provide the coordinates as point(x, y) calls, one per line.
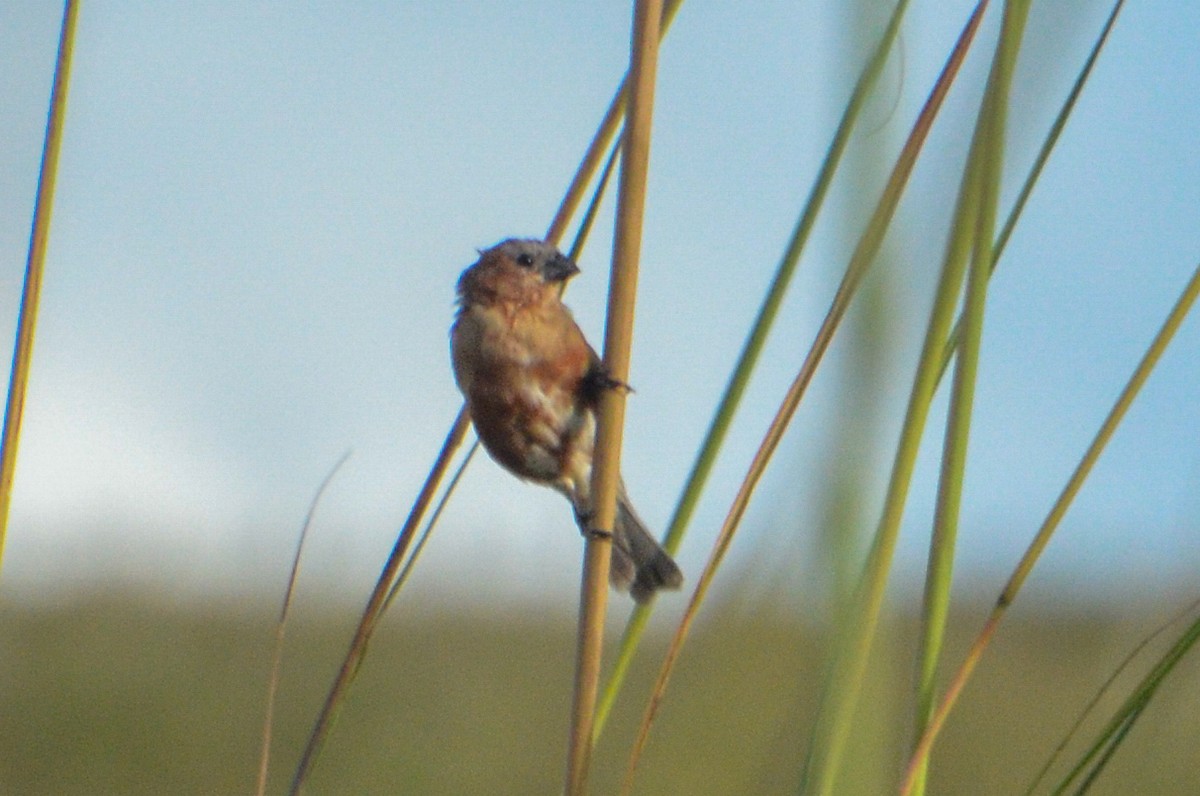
point(748, 358)
point(1104, 689)
point(1114, 732)
point(1145, 367)
point(39, 236)
point(1109, 750)
point(939, 576)
point(1039, 163)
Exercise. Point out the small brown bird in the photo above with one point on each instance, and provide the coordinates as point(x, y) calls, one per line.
point(532, 385)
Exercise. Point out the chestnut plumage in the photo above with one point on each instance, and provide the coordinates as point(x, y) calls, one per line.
point(532, 384)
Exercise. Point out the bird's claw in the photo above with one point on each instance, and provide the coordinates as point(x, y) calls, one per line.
point(609, 383)
point(597, 380)
point(584, 519)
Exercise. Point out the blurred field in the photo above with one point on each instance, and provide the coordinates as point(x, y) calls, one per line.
point(135, 695)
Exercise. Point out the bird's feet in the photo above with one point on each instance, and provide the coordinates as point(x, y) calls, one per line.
point(584, 520)
point(598, 380)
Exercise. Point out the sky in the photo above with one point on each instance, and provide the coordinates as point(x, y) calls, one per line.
point(262, 210)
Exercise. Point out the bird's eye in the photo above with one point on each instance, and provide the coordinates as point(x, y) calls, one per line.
point(525, 260)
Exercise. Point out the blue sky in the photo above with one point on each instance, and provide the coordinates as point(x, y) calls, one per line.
point(262, 211)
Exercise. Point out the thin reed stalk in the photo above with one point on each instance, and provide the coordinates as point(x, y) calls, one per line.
point(1145, 367)
point(610, 419)
point(264, 760)
point(35, 266)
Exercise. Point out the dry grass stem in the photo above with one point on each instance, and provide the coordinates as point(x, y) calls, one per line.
point(618, 341)
point(977, 230)
point(371, 614)
point(39, 236)
point(281, 629)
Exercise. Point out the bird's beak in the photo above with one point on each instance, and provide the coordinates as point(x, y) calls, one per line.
point(560, 269)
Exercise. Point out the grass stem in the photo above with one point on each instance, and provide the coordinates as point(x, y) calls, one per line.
point(39, 236)
point(618, 340)
point(1145, 367)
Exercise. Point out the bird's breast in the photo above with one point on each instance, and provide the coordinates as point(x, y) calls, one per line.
point(522, 378)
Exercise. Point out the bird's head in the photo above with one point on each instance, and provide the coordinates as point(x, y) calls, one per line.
point(521, 270)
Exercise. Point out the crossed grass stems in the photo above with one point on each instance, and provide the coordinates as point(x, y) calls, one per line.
point(973, 250)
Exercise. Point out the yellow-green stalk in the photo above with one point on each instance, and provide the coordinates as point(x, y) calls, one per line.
point(979, 230)
point(610, 419)
point(836, 714)
point(1145, 367)
point(39, 236)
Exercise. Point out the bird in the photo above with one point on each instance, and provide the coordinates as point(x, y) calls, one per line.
point(532, 385)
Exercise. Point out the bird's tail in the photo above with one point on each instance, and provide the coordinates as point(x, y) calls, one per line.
point(639, 564)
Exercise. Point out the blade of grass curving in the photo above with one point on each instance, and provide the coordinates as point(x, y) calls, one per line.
point(1039, 163)
point(1109, 750)
point(860, 261)
point(281, 628)
point(1145, 367)
point(35, 266)
point(374, 609)
point(1113, 733)
point(748, 358)
point(939, 577)
point(1104, 689)
point(610, 415)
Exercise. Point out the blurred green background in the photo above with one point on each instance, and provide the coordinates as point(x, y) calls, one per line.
point(137, 694)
